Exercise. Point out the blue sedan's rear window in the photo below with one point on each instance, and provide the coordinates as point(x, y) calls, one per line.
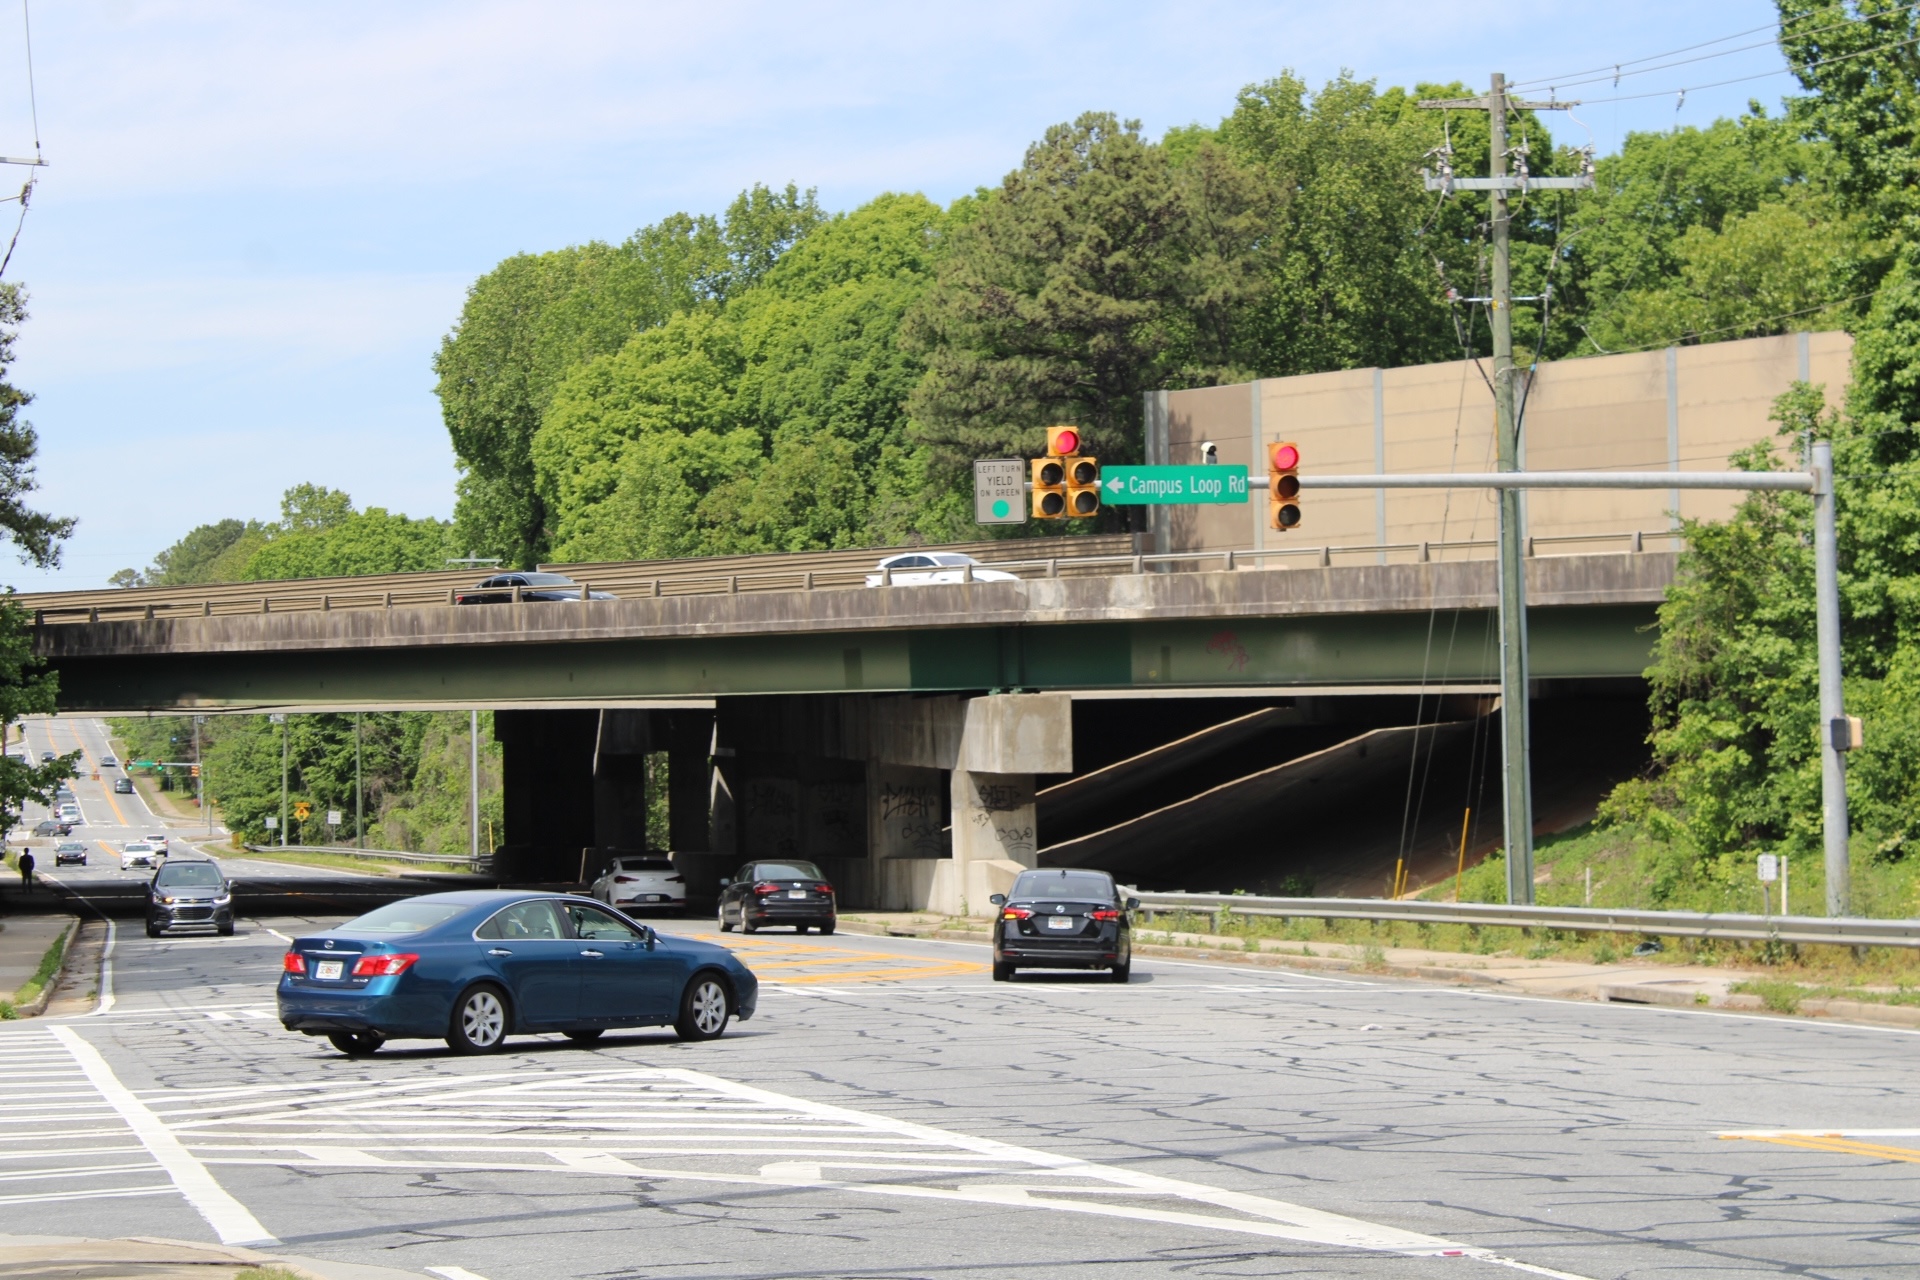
point(404, 917)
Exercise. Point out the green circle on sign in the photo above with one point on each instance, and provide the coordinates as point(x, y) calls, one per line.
point(1000, 507)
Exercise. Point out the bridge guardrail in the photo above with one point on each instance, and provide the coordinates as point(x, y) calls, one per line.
point(388, 593)
point(376, 855)
point(1848, 931)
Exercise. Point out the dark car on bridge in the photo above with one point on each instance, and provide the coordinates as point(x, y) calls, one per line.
point(190, 893)
point(1063, 919)
point(476, 966)
point(778, 891)
point(500, 589)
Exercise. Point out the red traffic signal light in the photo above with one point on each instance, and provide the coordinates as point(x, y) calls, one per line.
point(1063, 441)
point(1283, 486)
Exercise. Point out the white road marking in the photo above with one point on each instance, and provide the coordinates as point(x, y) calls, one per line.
point(453, 1273)
point(665, 1123)
point(229, 1218)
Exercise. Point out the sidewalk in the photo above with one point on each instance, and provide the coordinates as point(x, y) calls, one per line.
point(1678, 985)
point(153, 1258)
point(24, 939)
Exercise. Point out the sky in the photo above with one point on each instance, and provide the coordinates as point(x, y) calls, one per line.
point(258, 221)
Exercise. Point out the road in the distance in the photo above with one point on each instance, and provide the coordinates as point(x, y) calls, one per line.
point(893, 1113)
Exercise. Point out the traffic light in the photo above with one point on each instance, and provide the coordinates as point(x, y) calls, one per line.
point(1083, 485)
point(193, 770)
point(1283, 486)
point(1064, 483)
point(1049, 489)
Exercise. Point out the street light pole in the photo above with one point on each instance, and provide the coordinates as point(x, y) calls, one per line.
point(281, 720)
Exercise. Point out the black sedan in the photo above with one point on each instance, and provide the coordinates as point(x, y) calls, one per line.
point(1063, 919)
point(191, 892)
point(505, 588)
point(477, 966)
point(52, 827)
point(70, 853)
point(777, 892)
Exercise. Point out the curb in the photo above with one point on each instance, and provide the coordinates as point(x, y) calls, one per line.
point(59, 1255)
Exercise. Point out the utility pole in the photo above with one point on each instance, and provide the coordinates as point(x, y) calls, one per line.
point(1835, 727)
point(359, 817)
point(473, 779)
point(281, 720)
point(1515, 733)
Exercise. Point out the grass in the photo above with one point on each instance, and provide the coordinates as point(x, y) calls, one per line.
point(344, 862)
point(31, 989)
point(266, 1273)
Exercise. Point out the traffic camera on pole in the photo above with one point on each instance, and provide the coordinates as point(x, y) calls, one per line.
point(1283, 486)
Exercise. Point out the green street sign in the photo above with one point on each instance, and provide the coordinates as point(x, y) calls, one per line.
point(1165, 486)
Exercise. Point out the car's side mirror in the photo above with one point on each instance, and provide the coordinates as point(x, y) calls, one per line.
point(998, 899)
point(648, 937)
point(724, 882)
point(1133, 904)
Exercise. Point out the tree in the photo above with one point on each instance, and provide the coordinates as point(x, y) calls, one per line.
point(26, 686)
point(1061, 299)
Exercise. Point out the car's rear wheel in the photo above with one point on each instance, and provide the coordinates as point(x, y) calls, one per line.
point(800, 928)
point(479, 1023)
point(704, 1008)
point(746, 925)
point(586, 1036)
point(726, 926)
point(357, 1044)
point(1002, 971)
point(827, 928)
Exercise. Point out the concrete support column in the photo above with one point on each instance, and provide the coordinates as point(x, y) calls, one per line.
point(994, 838)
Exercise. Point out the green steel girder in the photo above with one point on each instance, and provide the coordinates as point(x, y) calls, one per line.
point(1317, 650)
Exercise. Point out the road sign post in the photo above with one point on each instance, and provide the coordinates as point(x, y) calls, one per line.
point(1167, 486)
point(1000, 491)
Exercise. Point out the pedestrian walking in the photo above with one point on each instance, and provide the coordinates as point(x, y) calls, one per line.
point(26, 870)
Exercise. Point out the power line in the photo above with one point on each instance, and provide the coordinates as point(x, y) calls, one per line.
point(1762, 75)
point(1565, 78)
point(33, 102)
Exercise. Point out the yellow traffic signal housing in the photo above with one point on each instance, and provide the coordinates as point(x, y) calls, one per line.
point(1049, 488)
point(1063, 442)
point(1283, 486)
point(1083, 485)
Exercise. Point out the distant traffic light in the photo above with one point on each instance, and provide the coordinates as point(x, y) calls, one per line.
point(1049, 487)
point(193, 770)
point(1283, 486)
point(1083, 485)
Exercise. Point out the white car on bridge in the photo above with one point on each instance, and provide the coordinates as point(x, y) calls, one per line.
point(917, 568)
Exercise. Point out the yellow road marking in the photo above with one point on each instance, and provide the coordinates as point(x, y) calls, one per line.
point(111, 802)
point(804, 963)
point(1834, 1143)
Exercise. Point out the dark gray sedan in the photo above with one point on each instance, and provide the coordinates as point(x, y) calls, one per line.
point(1063, 919)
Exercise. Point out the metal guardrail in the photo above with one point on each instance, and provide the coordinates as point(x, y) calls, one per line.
point(375, 855)
point(1846, 931)
point(647, 581)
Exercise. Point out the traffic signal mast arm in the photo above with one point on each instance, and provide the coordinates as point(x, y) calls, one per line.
point(1794, 481)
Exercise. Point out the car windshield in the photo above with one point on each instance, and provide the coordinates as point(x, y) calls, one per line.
point(787, 871)
point(412, 916)
point(1077, 885)
point(70, 846)
point(177, 874)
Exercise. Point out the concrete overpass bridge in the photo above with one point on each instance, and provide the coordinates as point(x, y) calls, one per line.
point(906, 737)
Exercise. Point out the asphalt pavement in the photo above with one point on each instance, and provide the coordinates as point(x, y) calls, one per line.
point(892, 1112)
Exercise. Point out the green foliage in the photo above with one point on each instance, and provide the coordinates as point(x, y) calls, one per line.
point(772, 422)
point(319, 534)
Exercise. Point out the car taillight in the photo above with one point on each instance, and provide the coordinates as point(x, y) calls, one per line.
point(624, 879)
point(1016, 913)
point(384, 966)
point(1104, 915)
point(294, 962)
point(765, 887)
point(826, 888)
point(673, 877)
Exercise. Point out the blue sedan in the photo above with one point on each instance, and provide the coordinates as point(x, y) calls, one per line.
point(475, 967)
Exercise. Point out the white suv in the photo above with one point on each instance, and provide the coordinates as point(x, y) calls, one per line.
point(138, 853)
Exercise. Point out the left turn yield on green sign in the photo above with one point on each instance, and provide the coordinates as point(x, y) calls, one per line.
point(999, 491)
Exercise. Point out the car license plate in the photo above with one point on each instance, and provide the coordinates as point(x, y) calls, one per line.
point(329, 968)
point(1063, 922)
point(796, 893)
